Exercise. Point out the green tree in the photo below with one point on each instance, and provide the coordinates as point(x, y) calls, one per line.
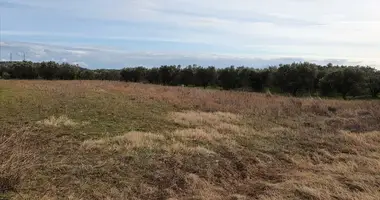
point(167, 74)
point(3, 68)
point(127, 74)
point(86, 74)
point(153, 76)
point(342, 81)
point(23, 70)
point(373, 83)
point(243, 77)
point(139, 74)
point(296, 77)
point(259, 79)
point(133, 74)
point(112, 75)
point(107, 74)
point(227, 78)
point(188, 75)
point(47, 70)
point(205, 76)
point(65, 71)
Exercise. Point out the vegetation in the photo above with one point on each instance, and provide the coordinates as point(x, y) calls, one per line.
point(296, 79)
point(117, 140)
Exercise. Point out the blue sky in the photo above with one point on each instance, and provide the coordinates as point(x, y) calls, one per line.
point(120, 33)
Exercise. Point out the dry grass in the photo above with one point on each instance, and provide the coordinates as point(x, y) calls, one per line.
point(60, 121)
point(181, 148)
point(192, 118)
point(128, 141)
point(136, 141)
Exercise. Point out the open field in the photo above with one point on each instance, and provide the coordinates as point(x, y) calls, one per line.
point(114, 140)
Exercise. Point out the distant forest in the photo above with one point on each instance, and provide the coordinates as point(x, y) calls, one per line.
point(296, 79)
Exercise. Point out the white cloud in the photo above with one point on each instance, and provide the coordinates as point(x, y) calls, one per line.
point(322, 29)
point(106, 57)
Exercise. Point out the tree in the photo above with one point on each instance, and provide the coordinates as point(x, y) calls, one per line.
point(243, 77)
point(139, 74)
point(3, 68)
point(259, 79)
point(373, 83)
point(112, 75)
point(107, 74)
point(321, 72)
point(153, 76)
point(86, 74)
point(342, 81)
point(167, 74)
point(187, 76)
point(23, 70)
point(48, 70)
point(65, 71)
point(205, 76)
point(228, 78)
point(133, 74)
point(176, 79)
point(296, 77)
point(127, 74)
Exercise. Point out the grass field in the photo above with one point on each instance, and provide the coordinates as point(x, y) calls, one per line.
point(114, 140)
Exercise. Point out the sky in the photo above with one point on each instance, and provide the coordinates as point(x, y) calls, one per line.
point(126, 33)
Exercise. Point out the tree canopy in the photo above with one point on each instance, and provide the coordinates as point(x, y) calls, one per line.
point(297, 79)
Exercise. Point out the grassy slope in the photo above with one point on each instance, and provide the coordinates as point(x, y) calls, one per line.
point(112, 140)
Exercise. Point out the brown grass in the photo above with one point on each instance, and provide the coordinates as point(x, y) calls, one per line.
point(198, 134)
point(128, 141)
point(136, 141)
point(60, 121)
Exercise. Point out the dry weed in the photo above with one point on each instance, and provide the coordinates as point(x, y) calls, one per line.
point(181, 148)
point(193, 118)
point(202, 189)
point(125, 142)
point(60, 121)
point(198, 134)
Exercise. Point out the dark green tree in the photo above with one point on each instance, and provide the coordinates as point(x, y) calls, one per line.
point(133, 74)
point(373, 83)
point(23, 70)
point(227, 78)
point(296, 77)
point(205, 76)
point(243, 77)
point(48, 70)
point(258, 80)
point(188, 75)
point(153, 76)
point(167, 74)
point(342, 81)
point(65, 71)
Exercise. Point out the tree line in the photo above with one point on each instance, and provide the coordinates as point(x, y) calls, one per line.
point(296, 79)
